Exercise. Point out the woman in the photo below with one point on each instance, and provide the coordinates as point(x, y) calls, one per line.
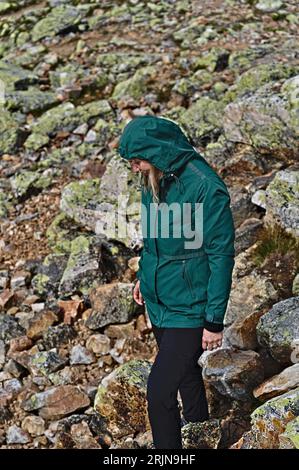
point(185, 285)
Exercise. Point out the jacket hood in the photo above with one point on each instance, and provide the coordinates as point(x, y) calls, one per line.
point(157, 140)
point(161, 142)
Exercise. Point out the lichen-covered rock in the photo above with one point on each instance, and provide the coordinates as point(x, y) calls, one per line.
point(111, 303)
point(30, 100)
point(203, 118)
point(265, 119)
point(69, 375)
point(258, 75)
point(29, 182)
point(82, 271)
point(67, 117)
point(12, 135)
point(15, 77)
point(60, 233)
point(281, 383)
point(105, 205)
point(136, 86)
point(121, 397)
point(278, 329)
point(79, 437)
point(189, 85)
point(270, 420)
point(61, 19)
point(233, 373)
point(41, 362)
point(191, 34)
point(10, 328)
point(268, 6)
point(46, 281)
point(55, 336)
point(205, 435)
point(289, 439)
point(281, 200)
point(249, 294)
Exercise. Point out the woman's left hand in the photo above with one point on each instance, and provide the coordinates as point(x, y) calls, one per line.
point(211, 340)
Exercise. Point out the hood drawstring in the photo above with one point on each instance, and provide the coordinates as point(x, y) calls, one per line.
point(170, 174)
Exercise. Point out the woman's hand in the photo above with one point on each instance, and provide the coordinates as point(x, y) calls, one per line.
point(137, 296)
point(211, 340)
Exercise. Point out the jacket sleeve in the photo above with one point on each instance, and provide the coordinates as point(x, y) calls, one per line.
point(218, 243)
point(138, 273)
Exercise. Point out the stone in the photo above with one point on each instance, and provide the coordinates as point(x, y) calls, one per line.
point(83, 437)
point(7, 297)
point(280, 383)
point(40, 362)
point(13, 386)
point(121, 397)
point(270, 419)
point(249, 294)
point(40, 322)
point(281, 200)
point(136, 86)
point(295, 286)
point(80, 355)
point(278, 331)
point(98, 344)
point(56, 402)
point(2, 353)
point(16, 435)
point(111, 303)
point(255, 118)
point(34, 425)
point(268, 6)
point(289, 438)
point(69, 375)
point(46, 281)
point(58, 20)
point(202, 435)
point(10, 328)
point(57, 335)
point(108, 206)
point(71, 308)
point(4, 277)
point(27, 183)
point(19, 344)
point(82, 271)
point(233, 373)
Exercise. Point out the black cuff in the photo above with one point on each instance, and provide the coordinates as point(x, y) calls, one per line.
point(213, 327)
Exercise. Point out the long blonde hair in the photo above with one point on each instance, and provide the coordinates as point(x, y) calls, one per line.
point(151, 183)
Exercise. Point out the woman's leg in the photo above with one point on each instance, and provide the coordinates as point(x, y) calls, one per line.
point(179, 348)
point(193, 394)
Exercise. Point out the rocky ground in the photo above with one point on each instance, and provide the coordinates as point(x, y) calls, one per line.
point(75, 350)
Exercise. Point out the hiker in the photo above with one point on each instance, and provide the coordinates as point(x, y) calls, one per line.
point(183, 280)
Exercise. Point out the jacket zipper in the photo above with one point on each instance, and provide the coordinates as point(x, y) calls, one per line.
point(186, 276)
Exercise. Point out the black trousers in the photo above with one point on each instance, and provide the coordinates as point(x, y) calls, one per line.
point(175, 369)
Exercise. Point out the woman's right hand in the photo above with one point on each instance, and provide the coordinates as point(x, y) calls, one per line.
point(137, 296)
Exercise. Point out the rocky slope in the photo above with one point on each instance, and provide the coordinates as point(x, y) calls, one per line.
point(75, 350)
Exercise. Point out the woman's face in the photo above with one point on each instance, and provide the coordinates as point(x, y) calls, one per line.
point(137, 164)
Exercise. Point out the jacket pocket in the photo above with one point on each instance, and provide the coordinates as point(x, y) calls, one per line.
point(187, 279)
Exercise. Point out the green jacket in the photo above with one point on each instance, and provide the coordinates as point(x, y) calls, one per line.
point(183, 286)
